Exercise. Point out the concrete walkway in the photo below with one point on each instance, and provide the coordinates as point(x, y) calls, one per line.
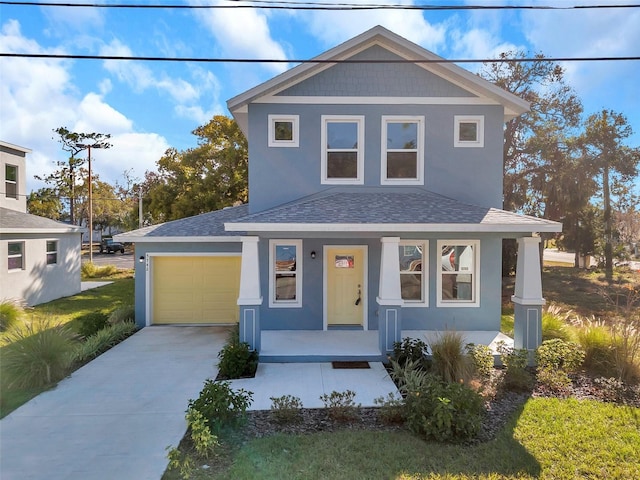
point(114, 417)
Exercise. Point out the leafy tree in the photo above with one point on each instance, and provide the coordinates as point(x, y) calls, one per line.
point(208, 177)
point(45, 203)
point(615, 163)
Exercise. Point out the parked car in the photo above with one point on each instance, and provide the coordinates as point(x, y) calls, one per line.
point(108, 245)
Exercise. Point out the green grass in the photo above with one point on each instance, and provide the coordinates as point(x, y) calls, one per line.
point(65, 310)
point(546, 439)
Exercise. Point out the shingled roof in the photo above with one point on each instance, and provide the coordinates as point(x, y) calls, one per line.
point(14, 221)
point(376, 211)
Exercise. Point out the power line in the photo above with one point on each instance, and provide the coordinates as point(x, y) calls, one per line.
point(292, 5)
point(277, 60)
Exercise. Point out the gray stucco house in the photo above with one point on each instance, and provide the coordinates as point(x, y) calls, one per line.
point(375, 191)
point(41, 257)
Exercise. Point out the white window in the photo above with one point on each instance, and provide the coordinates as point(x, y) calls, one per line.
point(52, 252)
point(402, 150)
point(469, 131)
point(11, 181)
point(414, 272)
point(458, 273)
point(342, 150)
point(16, 256)
point(285, 273)
point(284, 130)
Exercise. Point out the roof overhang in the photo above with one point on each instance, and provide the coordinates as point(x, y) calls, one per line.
point(123, 237)
point(27, 230)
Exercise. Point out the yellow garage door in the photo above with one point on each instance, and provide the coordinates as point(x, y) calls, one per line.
point(195, 289)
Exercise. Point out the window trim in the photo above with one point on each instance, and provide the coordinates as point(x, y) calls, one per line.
point(425, 273)
point(479, 121)
point(21, 256)
point(273, 303)
point(12, 182)
point(325, 120)
point(420, 120)
point(53, 252)
point(295, 126)
point(475, 275)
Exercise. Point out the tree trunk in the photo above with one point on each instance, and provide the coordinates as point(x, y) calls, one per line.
point(608, 248)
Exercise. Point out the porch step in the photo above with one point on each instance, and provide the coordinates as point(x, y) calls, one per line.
point(320, 358)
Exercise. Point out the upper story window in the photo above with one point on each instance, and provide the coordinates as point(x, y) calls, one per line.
point(469, 131)
point(285, 273)
point(15, 259)
point(458, 275)
point(413, 265)
point(52, 252)
point(11, 181)
point(284, 130)
point(342, 149)
point(402, 150)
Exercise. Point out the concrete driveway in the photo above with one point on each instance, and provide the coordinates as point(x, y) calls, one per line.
point(114, 417)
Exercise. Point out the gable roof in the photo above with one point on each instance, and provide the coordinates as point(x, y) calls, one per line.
point(513, 105)
point(206, 227)
point(14, 221)
point(378, 211)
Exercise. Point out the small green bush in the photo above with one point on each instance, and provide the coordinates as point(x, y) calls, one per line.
point(409, 377)
point(411, 350)
point(91, 270)
point(559, 355)
point(102, 340)
point(448, 412)
point(38, 355)
point(341, 405)
point(236, 361)
point(286, 409)
point(599, 349)
point(481, 358)
point(449, 360)
point(516, 376)
point(220, 405)
point(122, 314)
point(555, 324)
point(10, 312)
point(91, 323)
point(392, 409)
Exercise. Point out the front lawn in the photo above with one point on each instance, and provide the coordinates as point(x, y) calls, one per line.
point(548, 438)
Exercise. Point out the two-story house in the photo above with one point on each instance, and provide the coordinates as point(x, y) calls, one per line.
point(375, 193)
point(40, 257)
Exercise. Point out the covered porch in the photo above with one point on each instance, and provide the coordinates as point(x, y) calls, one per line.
point(302, 346)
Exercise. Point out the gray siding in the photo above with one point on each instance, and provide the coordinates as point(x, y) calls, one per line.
point(376, 79)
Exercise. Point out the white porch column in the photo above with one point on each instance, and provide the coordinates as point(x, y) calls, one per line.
point(389, 296)
point(250, 296)
point(527, 298)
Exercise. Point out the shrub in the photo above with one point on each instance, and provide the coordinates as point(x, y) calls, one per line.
point(91, 270)
point(411, 350)
point(392, 409)
point(341, 405)
point(626, 338)
point(409, 377)
point(220, 405)
point(10, 311)
point(449, 360)
point(442, 411)
point(555, 324)
point(39, 354)
point(91, 323)
point(599, 348)
point(286, 409)
point(102, 340)
point(481, 358)
point(559, 355)
point(516, 376)
point(236, 361)
point(122, 314)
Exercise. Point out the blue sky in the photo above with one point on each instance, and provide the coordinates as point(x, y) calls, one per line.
point(151, 106)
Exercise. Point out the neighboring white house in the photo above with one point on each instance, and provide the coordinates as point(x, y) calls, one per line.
point(40, 257)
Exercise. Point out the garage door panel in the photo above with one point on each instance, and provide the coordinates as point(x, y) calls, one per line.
point(195, 289)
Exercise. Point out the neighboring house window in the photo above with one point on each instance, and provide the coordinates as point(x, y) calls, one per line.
point(413, 265)
point(52, 252)
point(402, 150)
point(285, 272)
point(16, 256)
point(11, 181)
point(458, 273)
point(469, 131)
point(342, 149)
point(283, 130)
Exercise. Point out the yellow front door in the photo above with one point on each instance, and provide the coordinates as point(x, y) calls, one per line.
point(346, 302)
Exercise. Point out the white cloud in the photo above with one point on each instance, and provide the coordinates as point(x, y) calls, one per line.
point(38, 96)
